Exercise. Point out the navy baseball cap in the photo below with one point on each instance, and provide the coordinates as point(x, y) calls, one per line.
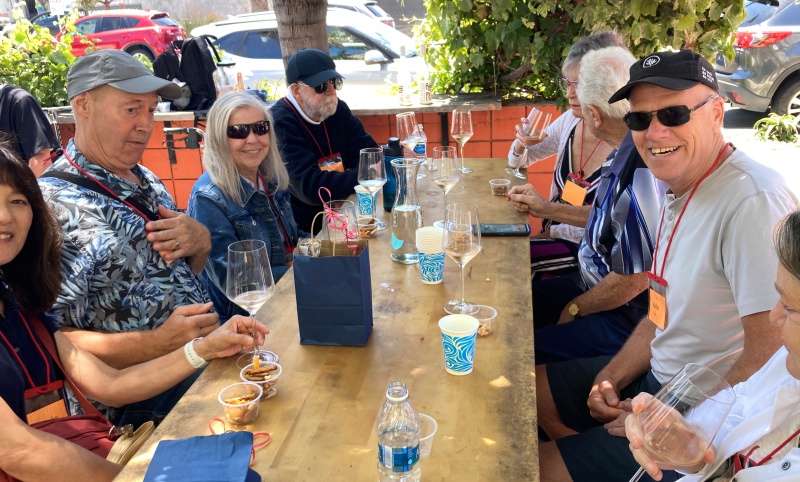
point(679, 70)
point(310, 66)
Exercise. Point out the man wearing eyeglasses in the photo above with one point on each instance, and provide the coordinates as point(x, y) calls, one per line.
point(319, 137)
point(709, 289)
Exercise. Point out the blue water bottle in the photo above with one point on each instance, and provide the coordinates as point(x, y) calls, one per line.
point(391, 151)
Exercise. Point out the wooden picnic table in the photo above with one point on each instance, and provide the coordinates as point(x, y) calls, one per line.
point(323, 419)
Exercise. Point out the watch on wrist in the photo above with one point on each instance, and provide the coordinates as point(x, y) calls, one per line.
point(573, 309)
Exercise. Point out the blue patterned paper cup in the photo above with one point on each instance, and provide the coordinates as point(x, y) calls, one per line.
point(364, 201)
point(431, 267)
point(459, 333)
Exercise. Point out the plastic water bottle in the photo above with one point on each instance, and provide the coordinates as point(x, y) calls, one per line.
point(421, 149)
point(398, 437)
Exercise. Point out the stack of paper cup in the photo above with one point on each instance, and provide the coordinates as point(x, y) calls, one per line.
point(364, 203)
point(431, 254)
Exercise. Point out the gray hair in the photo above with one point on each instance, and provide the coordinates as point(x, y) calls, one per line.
point(217, 158)
point(787, 243)
point(586, 44)
point(604, 72)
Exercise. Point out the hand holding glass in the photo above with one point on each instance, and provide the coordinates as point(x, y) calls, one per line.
point(461, 130)
point(444, 172)
point(249, 281)
point(372, 176)
point(461, 242)
point(677, 425)
point(532, 131)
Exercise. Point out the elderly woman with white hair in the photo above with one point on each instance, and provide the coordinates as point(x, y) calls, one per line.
point(243, 193)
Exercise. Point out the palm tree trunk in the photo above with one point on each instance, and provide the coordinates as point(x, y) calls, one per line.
point(301, 24)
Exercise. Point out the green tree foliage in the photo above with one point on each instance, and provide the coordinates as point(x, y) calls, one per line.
point(34, 60)
point(516, 47)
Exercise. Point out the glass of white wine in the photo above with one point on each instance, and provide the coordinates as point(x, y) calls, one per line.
point(461, 131)
point(372, 176)
point(249, 283)
point(461, 242)
point(444, 173)
point(681, 420)
point(407, 131)
point(533, 130)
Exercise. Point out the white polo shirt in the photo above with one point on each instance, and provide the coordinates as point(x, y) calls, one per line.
point(721, 266)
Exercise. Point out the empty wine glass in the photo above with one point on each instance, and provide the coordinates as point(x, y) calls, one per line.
point(532, 128)
point(249, 283)
point(372, 176)
point(461, 242)
point(461, 130)
point(444, 173)
point(681, 420)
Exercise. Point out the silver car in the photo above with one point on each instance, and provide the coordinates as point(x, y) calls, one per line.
point(365, 51)
point(765, 72)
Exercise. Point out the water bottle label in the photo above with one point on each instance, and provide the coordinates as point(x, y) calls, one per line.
point(419, 149)
point(398, 459)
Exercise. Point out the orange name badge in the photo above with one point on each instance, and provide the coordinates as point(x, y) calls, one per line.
point(45, 402)
point(658, 309)
point(573, 193)
point(331, 163)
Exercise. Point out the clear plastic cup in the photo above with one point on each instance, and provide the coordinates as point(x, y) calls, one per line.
point(499, 186)
point(267, 380)
point(367, 227)
point(240, 402)
point(427, 429)
point(485, 316)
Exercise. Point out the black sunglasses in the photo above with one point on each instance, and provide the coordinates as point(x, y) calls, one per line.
point(674, 116)
point(241, 131)
point(336, 82)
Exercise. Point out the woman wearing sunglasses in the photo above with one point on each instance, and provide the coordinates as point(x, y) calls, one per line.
point(243, 193)
point(580, 154)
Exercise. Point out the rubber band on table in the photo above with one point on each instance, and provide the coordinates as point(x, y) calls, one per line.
point(217, 426)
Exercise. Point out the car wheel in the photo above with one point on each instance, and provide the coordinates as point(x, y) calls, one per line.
point(787, 99)
point(143, 51)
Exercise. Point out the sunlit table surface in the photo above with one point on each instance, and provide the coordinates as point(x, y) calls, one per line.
point(323, 419)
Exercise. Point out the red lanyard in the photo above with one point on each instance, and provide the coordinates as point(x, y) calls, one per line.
point(287, 240)
point(19, 360)
point(654, 274)
point(742, 461)
point(321, 153)
point(582, 163)
point(107, 189)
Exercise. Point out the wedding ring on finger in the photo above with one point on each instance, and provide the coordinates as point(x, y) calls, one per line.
point(177, 244)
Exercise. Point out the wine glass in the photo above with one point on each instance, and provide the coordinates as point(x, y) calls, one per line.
point(461, 130)
point(444, 173)
point(407, 131)
point(461, 242)
point(533, 130)
point(372, 176)
point(681, 420)
point(249, 283)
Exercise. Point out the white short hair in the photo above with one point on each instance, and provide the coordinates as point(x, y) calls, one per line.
point(604, 72)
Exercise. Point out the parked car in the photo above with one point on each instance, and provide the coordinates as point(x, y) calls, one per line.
point(370, 8)
point(50, 21)
point(365, 51)
point(147, 32)
point(765, 72)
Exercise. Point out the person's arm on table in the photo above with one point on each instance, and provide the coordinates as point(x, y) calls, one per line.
point(632, 361)
point(32, 455)
point(121, 350)
point(610, 293)
point(119, 387)
point(180, 236)
point(526, 199)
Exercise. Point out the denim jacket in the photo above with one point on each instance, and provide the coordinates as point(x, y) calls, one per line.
point(229, 222)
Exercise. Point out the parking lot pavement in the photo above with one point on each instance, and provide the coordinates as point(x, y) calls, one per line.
point(781, 156)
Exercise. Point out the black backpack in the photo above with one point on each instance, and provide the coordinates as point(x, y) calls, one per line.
point(197, 69)
point(168, 65)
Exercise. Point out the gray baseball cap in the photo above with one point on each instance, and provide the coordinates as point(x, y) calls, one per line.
point(119, 70)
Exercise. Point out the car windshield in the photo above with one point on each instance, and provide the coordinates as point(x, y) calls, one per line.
point(388, 37)
point(758, 11)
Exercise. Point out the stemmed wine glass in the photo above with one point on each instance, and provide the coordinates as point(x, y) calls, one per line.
point(461, 242)
point(444, 173)
point(372, 176)
point(407, 133)
point(680, 421)
point(461, 130)
point(532, 128)
point(249, 283)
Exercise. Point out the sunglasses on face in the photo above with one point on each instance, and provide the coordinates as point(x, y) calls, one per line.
point(674, 116)
point(241, 131)
point(336, 82)
point(566, 84)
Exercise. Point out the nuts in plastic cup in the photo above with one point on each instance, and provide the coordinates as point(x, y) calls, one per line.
point(240, 402)
point(459, 333)
point(266, 376)
point(427, 429)
point(499, 186)
point(485, 316)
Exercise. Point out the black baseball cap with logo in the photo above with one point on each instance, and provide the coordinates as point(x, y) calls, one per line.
point(679, 70)
point(310, 66)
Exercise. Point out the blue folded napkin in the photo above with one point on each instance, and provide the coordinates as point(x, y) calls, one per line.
point(213, 458)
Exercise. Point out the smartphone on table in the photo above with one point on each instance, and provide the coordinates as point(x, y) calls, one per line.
point(520, 229)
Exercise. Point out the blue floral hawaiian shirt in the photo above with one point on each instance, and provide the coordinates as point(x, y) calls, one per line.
point(114, 281)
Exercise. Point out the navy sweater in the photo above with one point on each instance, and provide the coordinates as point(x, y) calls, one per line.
point(300, 154)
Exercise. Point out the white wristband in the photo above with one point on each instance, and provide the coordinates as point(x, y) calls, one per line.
point(192, 356)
